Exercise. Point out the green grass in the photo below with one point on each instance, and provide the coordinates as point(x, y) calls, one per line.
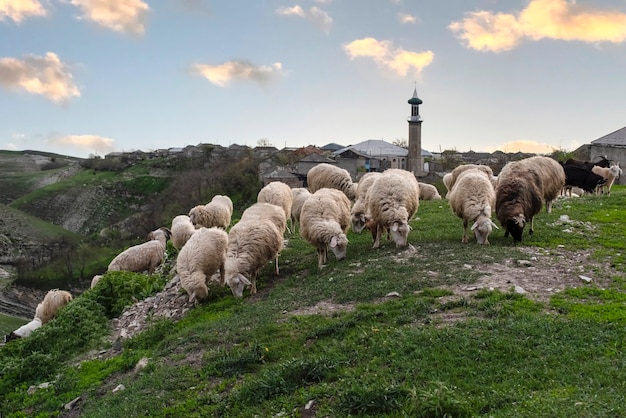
point(501, 355)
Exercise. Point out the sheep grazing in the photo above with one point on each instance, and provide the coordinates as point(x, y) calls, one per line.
point(201, 257)
point(447, 180)
point(358, 211)
point(24, 331)
point(143, 257)
point(552, 177)
point(256, 239)
point(217, 212)
point(392, 201)
point(300, 195)
point(609, 175)
point(52, 302)
point(472, 199)
point(182, 229)
point(279, 194)
point(429, 192)
point(454, 174)
point(324, 222)
point(518, 197)
point(329, 176)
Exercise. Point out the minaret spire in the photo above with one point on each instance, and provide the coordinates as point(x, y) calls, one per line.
point(416, 162)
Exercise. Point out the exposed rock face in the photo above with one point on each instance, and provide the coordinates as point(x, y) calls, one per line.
point(170, 303)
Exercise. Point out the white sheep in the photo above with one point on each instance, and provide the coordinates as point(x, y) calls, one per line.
point(201, 257)
point(454, 174)
point(609, 174)
point(279, 194)
point(358, 211)
point(392, 201)
point(472, 199)
point(52, 302)
point(95, 280)
point(429, 192)
point(447, 180)
point(300, 195)
point(217, 212)
point(25, 330)
point(182, 229)
point(252, 243)
point(324, 222)
point(326, 175)
point(143, 257)
point(552, 177)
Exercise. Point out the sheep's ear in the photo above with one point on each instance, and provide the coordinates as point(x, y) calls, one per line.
point(363, 218)
point(245, 280)
point(395, 226)
point(474, 225)
point(494, 225)
point(333, 242)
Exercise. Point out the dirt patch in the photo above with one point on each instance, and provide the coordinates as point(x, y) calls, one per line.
point(323, 308)
point(539, 276)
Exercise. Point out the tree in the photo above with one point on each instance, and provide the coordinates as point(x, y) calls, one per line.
point(264, 142)
point(401, 142)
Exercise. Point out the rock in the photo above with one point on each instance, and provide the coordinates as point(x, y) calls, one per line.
point(519, 289)
point(119, 388)
point(141, 364)
point(585, 279)
point(392, 295)
point(70, 405)
point(524, 263)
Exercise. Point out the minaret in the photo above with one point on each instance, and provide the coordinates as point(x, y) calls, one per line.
point(416, 162)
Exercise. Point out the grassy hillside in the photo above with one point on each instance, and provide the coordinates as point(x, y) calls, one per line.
point(530, 330)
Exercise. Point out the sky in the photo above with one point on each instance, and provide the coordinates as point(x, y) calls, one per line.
point(89, 77)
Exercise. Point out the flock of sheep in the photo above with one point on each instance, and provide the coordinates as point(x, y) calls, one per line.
point(381, 202)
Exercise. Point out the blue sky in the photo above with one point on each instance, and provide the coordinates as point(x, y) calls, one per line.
point(81, 77)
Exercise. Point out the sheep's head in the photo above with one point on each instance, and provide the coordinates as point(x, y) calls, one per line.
point(400, 233)
point(358, 222)
point(616, 171)
point(482, 227)
point(338, 245)
point(237, 282)
point(515, 226)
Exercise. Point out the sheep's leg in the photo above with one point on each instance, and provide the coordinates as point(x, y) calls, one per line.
point(532, 226)
point(377, 240)
point(464, 239)
point(222, 275)
point(549, 206)
point(277, 272)
point(253, 287)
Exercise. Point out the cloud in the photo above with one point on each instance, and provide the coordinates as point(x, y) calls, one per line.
point(524, 145)
point(315, 15)
point(406, 18)
point(222, 74)
point(11, 146)
point(18, 10)
point(44, 75)
point(398, 60)
point(89, 142)
point(127, 16)
point(552, 19)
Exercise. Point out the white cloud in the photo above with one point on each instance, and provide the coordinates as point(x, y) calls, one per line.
point(45, 75)
point(406, 18)
point(398, 60)
point(11, 146)
point(315, 15)
point(223, 74)
point(524, 145)
point(18, 10)
point(127, 16)
point(552, 19)
point(88, 142)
